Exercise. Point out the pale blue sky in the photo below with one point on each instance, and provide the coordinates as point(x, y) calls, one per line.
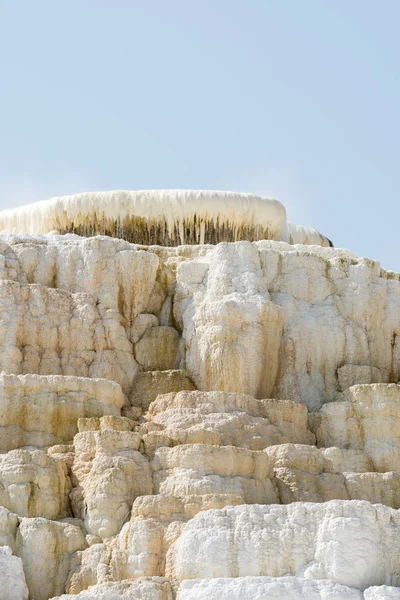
point(298, 99)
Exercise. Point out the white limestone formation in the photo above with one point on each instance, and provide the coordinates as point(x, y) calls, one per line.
point(150, 384)
point(354, 543)
point(365, 420)
point(224, 419)
point(47, 549)
point(200, 469)
point(165, 217)
point(12, 579)
point(33, 484)
point(251, 588)
point(194, 422)
point(43, 410)
point(108, 474)
point(306, 474)
point(152, 588)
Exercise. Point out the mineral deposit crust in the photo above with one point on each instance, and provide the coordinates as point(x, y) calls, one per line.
point(196, 422)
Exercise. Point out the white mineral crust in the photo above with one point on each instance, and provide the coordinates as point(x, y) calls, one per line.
point(194, 422)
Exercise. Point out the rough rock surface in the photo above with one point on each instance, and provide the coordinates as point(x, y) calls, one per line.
point(197, 422)
point(227, 419)
point(33, 484)
point(108, 473)
point(12, 579)
point(47, 549)
point(307, 474)
point(244, 310)
point(365, 420)
point(353, 543)
point(51, 331)
point(44, 410)
point(154, 588)
point(281, 588)
point(150, 384)
point(200, 469)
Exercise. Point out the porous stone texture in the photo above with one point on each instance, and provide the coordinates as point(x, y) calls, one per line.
point(44, 410)
point(307, 474)
point(365, 420)
point(158, 349)
point(268, 319)
point(350, 375)
point(226, 419)
point(12, 579)
point(152, 588)
point(33, 484)
point(200, 469)
point(232, 329)
point(353, 543)
point(150, 384)
point(197, 422)
point(383, 592)
point(115, 274)
point(51, 331)
point(282, 588)
point(140, 548)
point(108, 474)
point(46, 549)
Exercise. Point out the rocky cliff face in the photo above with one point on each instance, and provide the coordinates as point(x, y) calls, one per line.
point(197, 422)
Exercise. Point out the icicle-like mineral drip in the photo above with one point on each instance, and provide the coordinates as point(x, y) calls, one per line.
point(163, 217)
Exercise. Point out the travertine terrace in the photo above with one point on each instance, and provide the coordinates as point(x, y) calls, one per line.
point(194, 420)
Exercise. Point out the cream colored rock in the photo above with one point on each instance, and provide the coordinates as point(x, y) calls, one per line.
point(140, 548)
point(383, 592)
point(46, 549)
point(159, 349)
point(9, 523)
point(12, 579)
point(65, 453)
point(154, 588)
point(382, 488)
point(148, 385)
point(264, 286)
point(120, 277)
point(200, 469)
point(349, 375)
point(106, 423)
point(251, 588)
point(167, 509)
point(89, 567)
point(265, 319)
point(165, 217)
point(33, 484)
point(299, 475)
point(109, 473)
point(232, 292)
point(140, 326)
point(365, 420)
point(302, 486)
point(269, 319)
point(352, 543)
point(341, 460)
point(43, 410)
point(232, 330)
point(335, 306)
point(307, 474)
point(51, 331)
point(156, 522)
point(222, 418)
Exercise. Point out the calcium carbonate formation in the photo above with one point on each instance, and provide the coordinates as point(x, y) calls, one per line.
point(164, 217)
point(194, 422)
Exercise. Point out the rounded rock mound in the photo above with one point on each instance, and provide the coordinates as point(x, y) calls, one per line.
point(162, 217)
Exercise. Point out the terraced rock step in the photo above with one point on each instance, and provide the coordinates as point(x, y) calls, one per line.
point(197, 422)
